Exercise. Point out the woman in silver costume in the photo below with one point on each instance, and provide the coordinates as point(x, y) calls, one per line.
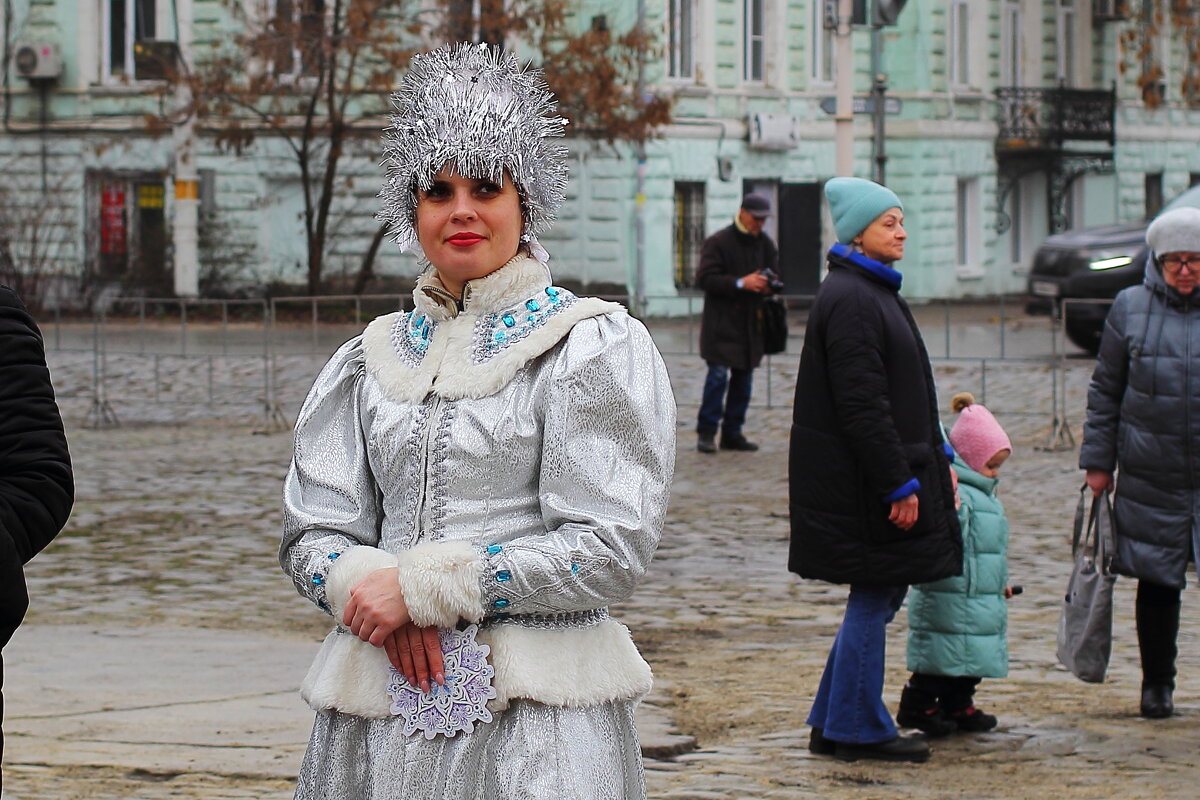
point(482, 475)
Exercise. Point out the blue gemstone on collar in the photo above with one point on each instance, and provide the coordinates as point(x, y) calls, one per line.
point(317, 579)
point(500, 336)
point(531, 318)
point(550, 290)
point(574, 568)
point(503, 576)
point(494, 548)
point(333, 556)
point(508, 320)
point(501, 603)
point(419, 321)
point(532, 305)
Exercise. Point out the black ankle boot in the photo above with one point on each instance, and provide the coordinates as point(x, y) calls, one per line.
point(920, 710)
point(1157, 627)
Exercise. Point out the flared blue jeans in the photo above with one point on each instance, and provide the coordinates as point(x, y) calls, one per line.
point(849, 705)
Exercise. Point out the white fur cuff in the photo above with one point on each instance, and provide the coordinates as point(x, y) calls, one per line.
point(441, 583)
point(349, 570)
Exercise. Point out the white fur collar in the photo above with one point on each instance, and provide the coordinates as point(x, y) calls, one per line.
point(507, 319)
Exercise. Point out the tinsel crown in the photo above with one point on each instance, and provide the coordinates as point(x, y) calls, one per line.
point(472, 107)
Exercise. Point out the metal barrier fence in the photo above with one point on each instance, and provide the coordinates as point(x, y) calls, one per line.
point(190, 358)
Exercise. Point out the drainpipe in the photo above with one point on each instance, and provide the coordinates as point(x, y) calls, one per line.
point(640, 199)
point(185, 228)
point(844, 118)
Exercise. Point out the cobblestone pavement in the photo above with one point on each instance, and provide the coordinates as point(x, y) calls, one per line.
point(177, 525)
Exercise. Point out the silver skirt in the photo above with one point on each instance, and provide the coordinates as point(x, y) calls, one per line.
point(530, 751)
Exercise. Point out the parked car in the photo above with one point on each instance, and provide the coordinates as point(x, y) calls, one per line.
point(1091, 264)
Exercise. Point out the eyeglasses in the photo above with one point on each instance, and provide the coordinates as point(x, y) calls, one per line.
point(1176, 263)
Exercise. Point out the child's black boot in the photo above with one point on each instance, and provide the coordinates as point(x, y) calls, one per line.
point(919, 709)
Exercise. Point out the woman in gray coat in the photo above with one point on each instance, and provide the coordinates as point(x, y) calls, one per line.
point(1144, 396)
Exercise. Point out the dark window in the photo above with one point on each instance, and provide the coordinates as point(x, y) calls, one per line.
point(689, 230)
point(1154, 193)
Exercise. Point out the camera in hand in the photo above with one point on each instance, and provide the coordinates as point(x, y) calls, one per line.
point(772, 279)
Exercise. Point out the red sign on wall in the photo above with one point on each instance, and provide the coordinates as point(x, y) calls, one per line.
point(112, 220)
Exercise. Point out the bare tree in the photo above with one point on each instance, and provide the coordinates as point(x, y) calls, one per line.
point(37, 233)
point(1145, 49)
point(316, 74)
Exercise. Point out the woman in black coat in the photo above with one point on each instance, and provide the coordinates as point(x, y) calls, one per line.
point(872, 499)
point(36, 487)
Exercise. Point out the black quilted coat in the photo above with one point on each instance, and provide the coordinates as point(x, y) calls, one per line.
point(864, 425)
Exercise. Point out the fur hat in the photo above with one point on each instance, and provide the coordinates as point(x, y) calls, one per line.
point(1175, 231)
point(976, 435)
point(855, 203)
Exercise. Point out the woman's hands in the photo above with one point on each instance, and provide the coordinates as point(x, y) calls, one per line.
point(1099, 480)
point(904, 512)
point(377, 613)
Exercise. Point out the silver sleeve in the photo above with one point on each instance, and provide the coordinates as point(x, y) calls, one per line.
point(608, 454)
point(330, 500)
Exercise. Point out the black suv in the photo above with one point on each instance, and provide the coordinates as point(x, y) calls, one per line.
point(1091, 264)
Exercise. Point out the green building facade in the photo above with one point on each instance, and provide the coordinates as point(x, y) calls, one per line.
point(976, 143)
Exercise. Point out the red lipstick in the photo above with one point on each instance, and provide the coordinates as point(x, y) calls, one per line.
point(465, 239)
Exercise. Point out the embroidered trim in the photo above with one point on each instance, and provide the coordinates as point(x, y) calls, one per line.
point(497, 331)
point(411, 335)
point(570, 619)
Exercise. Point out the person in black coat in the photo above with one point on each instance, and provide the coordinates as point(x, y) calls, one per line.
point(872, 501)
point(36, 487)
point(733, 274)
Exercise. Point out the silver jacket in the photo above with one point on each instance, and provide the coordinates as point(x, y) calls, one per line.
point(512, 456)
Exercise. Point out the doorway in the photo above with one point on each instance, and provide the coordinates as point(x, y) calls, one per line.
point(800, 251)
point(126, 230)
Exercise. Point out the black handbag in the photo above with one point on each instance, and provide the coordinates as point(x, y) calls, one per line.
point(774, 325)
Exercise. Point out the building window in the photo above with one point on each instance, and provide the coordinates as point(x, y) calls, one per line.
point(1066, 42)
point(681, 38)
point(958, 49)
point(967, 234)
point(299, 27)
point(689, 231)
point(756, 41)
point(823, 47)
point(1011, 51)
point(126, 22)
point(1154, 193)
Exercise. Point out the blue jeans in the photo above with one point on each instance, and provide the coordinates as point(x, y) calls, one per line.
point(717, 404)
point(849, 704)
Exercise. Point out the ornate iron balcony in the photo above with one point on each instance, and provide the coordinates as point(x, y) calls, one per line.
point(1046, 118)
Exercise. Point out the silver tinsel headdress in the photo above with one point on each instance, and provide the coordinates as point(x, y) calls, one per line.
point(472, 107)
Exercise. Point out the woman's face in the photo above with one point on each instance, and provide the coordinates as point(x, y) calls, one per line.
point(883, 239)
point(1181, 271)
point(468, 227)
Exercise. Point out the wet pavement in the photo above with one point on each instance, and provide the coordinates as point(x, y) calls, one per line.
point(163, 648)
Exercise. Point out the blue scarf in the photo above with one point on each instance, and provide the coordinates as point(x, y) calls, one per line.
point(888, 275)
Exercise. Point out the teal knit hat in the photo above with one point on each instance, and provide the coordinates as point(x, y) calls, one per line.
point(855, 203)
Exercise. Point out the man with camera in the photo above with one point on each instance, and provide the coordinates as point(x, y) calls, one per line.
point(736, 272)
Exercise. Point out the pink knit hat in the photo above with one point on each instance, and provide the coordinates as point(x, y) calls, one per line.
point(976, 436)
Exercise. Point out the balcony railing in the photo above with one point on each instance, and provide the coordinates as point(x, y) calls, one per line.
point(1047, 118)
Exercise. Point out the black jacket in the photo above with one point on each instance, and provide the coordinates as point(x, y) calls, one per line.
point(36, 488)
point(731, 325)
point(864, 426)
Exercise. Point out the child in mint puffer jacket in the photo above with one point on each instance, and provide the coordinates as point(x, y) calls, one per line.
point(958, 626)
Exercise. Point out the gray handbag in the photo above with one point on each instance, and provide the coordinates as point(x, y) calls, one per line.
point(1085, 624)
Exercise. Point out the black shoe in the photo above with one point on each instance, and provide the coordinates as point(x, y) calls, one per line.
point(972, 720)
point(818, 745)
point(735, 441)
point(932, 722)
point(1156, 700)
point(902, 748)
point(706, 443)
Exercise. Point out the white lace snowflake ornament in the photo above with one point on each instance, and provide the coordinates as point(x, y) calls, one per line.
point(457, 705)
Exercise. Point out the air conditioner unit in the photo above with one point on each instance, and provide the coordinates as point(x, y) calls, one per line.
point(773, 131)
point(155, 60)
point(37, 61)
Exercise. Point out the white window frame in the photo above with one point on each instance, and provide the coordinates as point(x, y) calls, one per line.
point(1012, 45)
point(750, 39)
point(297, 72)
point(1066, 41)
point(822, 46)
point(967, 262)
point(958, 51)
point(682, 40)
point(106, 36)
